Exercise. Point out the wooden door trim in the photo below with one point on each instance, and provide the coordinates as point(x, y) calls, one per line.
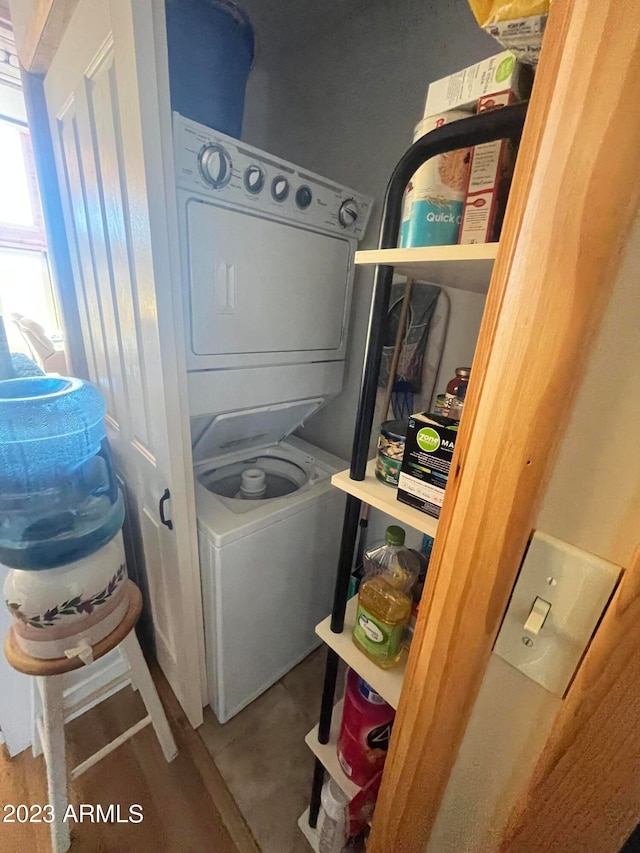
point(47, 22)
point(573, 199)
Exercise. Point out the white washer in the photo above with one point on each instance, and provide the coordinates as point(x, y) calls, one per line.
point(268, 568)
point(267, 263)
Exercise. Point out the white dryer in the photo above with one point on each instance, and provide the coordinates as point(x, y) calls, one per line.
point(267, 264)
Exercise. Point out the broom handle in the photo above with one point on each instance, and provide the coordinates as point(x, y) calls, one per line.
point(402, 322)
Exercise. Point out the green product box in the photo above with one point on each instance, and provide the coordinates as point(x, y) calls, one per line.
point(426, 462)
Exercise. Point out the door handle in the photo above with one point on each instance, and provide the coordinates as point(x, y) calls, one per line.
point(225, 288)
point(166, 521)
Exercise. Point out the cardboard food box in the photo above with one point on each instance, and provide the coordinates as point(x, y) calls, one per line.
point(489, 182)
point(426, 462)
point(463, 90)
point(523, 36)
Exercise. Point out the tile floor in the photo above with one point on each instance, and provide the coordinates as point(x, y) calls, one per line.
point(264, 760)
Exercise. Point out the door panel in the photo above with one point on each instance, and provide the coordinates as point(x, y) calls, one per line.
point(159, 588)
point(66, 135)
point(242, 300)
point(103, 137)
point(97, 248)
point(103, 120)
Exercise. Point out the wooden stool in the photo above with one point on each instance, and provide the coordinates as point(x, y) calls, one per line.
point(49, 729)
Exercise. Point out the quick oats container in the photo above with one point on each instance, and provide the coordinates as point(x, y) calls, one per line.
point(438, 191)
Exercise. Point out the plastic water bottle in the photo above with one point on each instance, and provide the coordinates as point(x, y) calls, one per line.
point(384, 600)
point(364, 731)
point(59, 497)
point(332, 819)
point(49, 426)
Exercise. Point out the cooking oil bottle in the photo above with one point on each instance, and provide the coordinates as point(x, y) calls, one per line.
point(384, 599)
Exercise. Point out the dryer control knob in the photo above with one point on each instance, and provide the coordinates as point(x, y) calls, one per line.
point(348, 213)
point(254, 179)
point(280, 188)
point(215, 165)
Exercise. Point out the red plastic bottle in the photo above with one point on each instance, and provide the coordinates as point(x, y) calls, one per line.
point(364, 732)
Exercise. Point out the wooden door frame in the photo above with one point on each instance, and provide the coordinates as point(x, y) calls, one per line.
point(574, 196)
point(41, 32)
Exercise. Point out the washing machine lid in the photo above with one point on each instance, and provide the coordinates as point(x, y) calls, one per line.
point(252, 429)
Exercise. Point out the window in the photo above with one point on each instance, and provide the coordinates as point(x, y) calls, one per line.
point(21, 222)
point(25, 283)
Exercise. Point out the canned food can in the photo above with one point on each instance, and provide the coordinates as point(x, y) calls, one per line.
point(441, 405)
point(390, 451)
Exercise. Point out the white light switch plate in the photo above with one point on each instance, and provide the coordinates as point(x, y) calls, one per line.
point(578, 586)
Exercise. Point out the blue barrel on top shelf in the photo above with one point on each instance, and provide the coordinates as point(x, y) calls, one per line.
point(59, 497)
point(211, 48)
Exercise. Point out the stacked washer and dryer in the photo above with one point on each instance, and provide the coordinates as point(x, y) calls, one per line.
point(267, 254)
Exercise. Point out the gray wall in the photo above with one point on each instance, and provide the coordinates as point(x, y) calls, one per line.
point(339, 90)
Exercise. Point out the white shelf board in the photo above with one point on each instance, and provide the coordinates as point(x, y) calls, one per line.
point(387, 682)
point(383, 497)
point(327, 753)
point(463, 267)
point(310, 834)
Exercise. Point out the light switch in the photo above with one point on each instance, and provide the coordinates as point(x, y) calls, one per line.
point(557, 602)
point(536, 618)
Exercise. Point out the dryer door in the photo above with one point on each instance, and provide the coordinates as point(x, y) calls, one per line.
point(264, 292)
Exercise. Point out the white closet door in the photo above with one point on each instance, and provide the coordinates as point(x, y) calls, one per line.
point(104, 94)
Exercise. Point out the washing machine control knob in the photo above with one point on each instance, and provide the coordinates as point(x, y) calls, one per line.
point(304, 197)
point(215, 165)
point(280, 188)
point(348, 213)
point(254, 179)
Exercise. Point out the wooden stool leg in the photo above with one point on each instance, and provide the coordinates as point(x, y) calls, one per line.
point(141, 677)
point(36, 714)
point(54, 752)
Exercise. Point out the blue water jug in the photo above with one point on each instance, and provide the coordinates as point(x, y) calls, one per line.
point(59, 497)
point(211, 49)
point(49, 426)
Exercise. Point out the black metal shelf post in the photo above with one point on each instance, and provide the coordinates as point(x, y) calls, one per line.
point(503, 123)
